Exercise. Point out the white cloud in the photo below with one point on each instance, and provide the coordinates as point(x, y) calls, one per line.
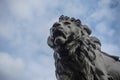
point(104, 29)
point(40, 69)
point(28, 9)
point(103, 11)
point(111, 49)
point(74, 10)
point(20, 8)
point(99, 14)
point(6, 31)
point(11, 67)
point(103, 3)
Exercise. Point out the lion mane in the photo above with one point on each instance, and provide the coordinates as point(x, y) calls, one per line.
point(76, 53)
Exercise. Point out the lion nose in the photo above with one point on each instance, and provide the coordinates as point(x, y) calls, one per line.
point(56, 24)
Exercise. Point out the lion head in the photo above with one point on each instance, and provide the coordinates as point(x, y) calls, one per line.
point(66, 30)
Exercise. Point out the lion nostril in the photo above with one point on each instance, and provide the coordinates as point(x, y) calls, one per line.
point(56, 24)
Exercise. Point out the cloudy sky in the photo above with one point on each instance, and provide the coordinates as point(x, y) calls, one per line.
point(24, 28)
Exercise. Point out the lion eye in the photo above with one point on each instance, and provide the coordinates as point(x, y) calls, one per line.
point(66, 23)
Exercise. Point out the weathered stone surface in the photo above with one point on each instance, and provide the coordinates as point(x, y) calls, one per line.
point(78, 55)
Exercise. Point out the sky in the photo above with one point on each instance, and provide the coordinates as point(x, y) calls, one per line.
point(24, 28)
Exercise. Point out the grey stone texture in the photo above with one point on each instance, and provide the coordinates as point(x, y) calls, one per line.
point(78, 55)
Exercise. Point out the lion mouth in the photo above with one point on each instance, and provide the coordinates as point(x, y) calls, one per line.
point(59, 37)
point(59, 33)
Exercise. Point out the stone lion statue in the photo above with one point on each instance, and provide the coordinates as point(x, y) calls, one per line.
point(78, 55)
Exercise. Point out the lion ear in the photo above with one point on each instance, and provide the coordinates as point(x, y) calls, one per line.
point(50, 42)
point(85, 27)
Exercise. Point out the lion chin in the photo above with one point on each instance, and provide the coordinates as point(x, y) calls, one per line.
point(59, 40)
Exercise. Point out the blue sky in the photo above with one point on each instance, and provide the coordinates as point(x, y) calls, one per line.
point(24, 28)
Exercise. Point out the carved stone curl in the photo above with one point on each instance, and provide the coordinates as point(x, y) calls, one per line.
point(78, 55)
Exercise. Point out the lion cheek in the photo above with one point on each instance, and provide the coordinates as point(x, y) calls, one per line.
point(50, 42)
